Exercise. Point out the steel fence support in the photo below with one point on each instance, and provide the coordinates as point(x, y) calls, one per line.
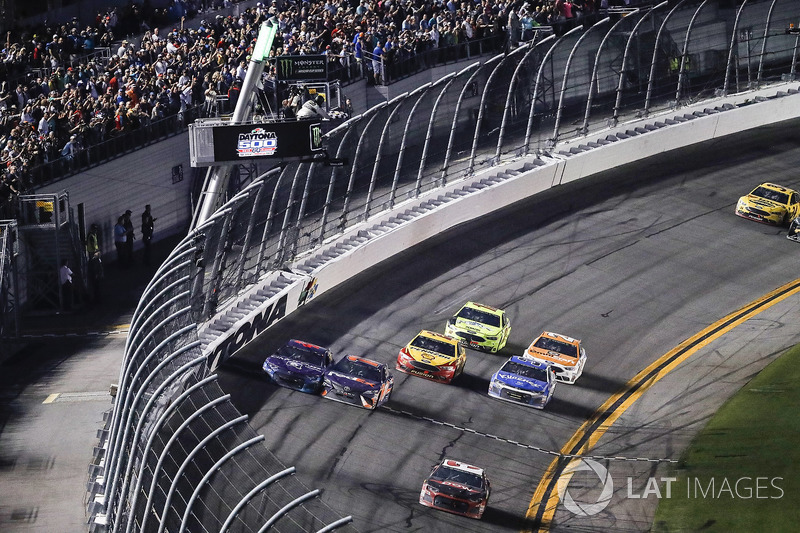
point(625, 54)
point(200, 445)
point(250, 228)
point(304, 199)
point(486, 90)
point(423, 90)
point(207, 476)
point(336, 525)
point(564, 78)
point(397, 102)
point(209, 298)
point(734, 40)
point(179, 258)
point(454, 124)
point(767, 27)
point(288, 507)
point(281, 255)
point(685, 51)
point(429, 132)
point(354, 166)
point(332, 182)
point(595, 67)
point(268, 223)
point(655, 56)
point(510, 94)
point(158, 299)
point(249, 496)
point(164, 452)
point(539, 74)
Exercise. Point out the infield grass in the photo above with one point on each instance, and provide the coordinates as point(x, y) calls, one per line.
point(740, 474)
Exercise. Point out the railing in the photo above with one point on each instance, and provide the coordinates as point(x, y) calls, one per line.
point(116, 145)
point(523, 102)
point(9, 310)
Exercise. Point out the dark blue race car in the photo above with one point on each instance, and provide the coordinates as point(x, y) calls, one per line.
point(299, 365)
point(358, 381)
point(523, 380)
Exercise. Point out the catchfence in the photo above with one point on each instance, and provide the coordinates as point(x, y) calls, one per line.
point(176, 455)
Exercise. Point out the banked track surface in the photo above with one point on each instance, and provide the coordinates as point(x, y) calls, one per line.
point(633, 262)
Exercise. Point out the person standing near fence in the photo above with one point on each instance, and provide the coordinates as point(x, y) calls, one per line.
point(94, 256)
point(119, 241)
point(65, 281)
point(129, 236)
point(147, 233)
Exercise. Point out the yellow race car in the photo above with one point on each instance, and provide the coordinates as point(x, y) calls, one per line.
point(432, 356)
point(770, 204)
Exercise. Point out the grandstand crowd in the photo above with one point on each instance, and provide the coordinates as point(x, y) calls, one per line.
point(59, 94)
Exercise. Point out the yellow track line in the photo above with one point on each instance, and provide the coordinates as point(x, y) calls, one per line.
point(601, 421)
point(51, 398)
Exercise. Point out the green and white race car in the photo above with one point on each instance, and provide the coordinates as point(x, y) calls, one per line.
point(480, 326)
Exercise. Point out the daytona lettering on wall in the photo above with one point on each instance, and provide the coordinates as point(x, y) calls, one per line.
point(248, 332)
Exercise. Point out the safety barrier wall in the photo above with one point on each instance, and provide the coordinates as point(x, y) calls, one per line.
point(420, 164)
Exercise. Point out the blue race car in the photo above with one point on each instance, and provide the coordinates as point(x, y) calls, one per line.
point(525, 381)
point(358, 381)
point(299, 365)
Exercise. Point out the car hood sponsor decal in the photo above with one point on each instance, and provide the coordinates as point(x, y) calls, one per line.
point(521, 382)
point(432, 358)
point(295, 367)
point(355, 384)
point(553, 357)
point(451, 489)
point(763, 202)
point(475, 327)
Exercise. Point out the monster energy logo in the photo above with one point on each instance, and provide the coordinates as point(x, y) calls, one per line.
point(316, 136)
point(285, 68)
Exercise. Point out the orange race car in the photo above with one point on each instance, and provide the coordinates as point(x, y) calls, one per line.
point(564, 354)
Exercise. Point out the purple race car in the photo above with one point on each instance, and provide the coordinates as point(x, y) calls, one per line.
point(299, 365)
point(358, 381)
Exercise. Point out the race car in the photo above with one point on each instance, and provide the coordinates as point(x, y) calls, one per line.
point(522, 380)
point(299, 365)
point(794, 230)
point(771, 204)
point(358, 381)
point(456, 487)
point(564, 354)
point(480, 326)
point(432, 356)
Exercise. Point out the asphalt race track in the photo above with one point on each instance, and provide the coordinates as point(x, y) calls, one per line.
point(632, 263)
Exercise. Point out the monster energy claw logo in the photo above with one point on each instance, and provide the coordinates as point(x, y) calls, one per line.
point(316, 136)
point(285, 67)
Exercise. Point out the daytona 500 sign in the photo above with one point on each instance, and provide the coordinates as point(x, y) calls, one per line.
point(266, 140)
